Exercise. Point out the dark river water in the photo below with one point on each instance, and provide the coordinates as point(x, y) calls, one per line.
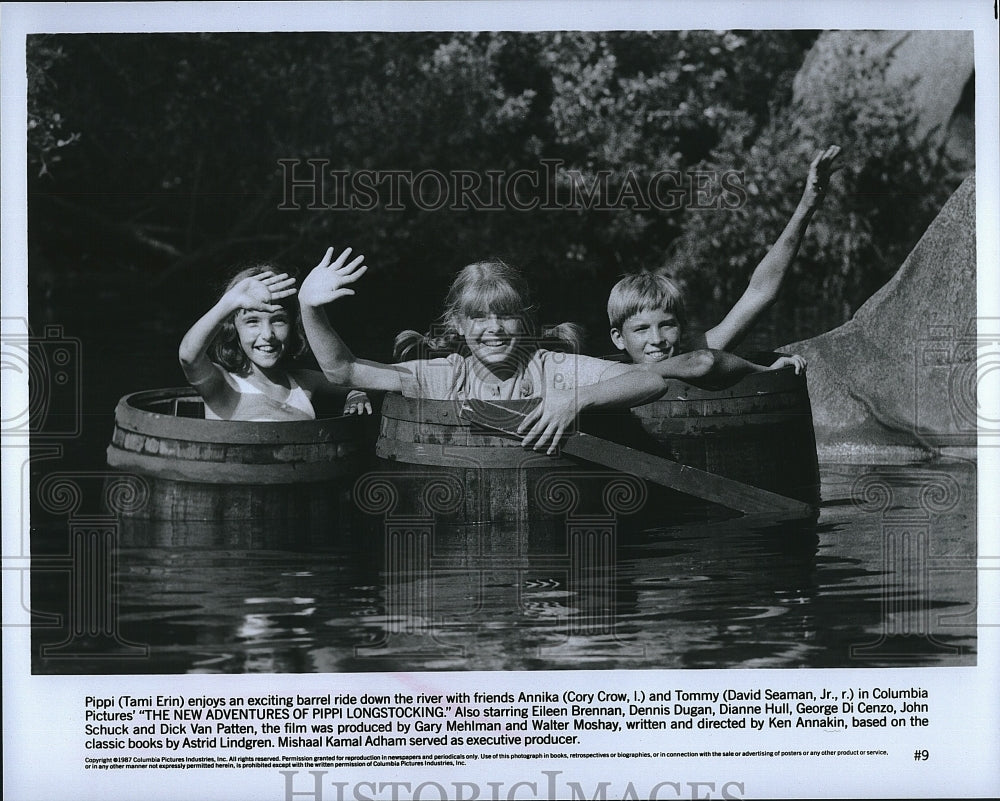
point(886, 577)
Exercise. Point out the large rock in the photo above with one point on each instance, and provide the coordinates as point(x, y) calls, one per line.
point(902, 371)
point(936, 68)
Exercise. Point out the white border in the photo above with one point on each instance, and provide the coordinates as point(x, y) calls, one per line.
point(41, 738)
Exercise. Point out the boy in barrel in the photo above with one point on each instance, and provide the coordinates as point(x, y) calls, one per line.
point(647, 316)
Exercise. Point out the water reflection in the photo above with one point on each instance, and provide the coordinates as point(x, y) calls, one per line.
point(885, 577)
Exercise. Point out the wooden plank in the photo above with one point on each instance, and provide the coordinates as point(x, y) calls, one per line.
point(684, 478)
point(692, 481)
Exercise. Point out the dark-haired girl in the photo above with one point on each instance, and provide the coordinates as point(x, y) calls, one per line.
point(237, 355)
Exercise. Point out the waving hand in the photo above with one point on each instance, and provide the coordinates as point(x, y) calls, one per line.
point(331, 279)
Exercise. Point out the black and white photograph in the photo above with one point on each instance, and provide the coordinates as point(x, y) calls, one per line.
point(419, 400)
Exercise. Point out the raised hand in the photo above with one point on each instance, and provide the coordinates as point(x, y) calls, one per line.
point(331, 279)
point(819, 177)
point(260, 292)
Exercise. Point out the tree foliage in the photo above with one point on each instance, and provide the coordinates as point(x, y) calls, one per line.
point(887, 191)
point(155, 162)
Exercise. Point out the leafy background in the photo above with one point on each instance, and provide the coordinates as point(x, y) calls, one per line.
point(154, 168)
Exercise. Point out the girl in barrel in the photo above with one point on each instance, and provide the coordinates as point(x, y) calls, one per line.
point(497, 351)
point(238, 354)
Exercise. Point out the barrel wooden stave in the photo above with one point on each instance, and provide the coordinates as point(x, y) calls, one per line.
point(180, 501)
point(205, 470)
point(760, 432)
point(502, 487)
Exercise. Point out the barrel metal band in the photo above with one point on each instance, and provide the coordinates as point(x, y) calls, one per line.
point(229, 472)
point(466, 456)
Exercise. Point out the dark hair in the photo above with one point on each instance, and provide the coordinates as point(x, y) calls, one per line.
point(225, 349)
point(488, 286)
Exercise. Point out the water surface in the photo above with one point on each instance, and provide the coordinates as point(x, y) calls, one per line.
point(885, 577)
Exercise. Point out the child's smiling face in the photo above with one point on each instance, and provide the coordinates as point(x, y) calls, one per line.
point(263, 335)
point(492, 340)
point(649, 336)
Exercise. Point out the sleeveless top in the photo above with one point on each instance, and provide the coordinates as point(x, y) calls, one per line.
point(246, 402)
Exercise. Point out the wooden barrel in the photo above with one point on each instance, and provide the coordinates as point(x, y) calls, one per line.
point(759, 431)
point(195, 469)
point(481, 488)
point(443, 466)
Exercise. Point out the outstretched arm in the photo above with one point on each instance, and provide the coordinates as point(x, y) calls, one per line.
point(328, 281)
point(634, 385)
point(256, 293)
point(767, 277)
point(315, 383)
point(715, 369)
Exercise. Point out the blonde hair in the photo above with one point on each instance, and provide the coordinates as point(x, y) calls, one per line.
point(486, 287)
point(645, 291)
